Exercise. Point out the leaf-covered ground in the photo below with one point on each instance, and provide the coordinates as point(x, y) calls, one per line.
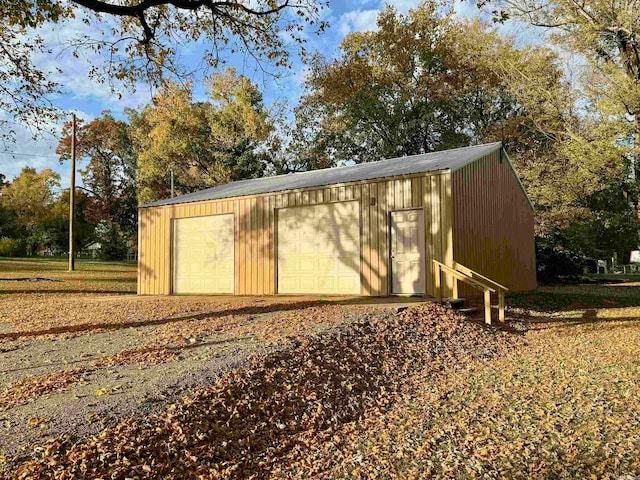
point(297, 388)
point(564, 405)
point(286, 404)
point(86, 360)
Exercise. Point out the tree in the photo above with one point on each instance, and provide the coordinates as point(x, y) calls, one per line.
point(9, 225)
point(428, 81)
point(611, 228)
point(204, 143)
point(139, 40)
point(33, 213)
point(606, 37)
point(416, 85)
point(563, 146)
point(109, 178)
point(30, 195)
point(52, 233)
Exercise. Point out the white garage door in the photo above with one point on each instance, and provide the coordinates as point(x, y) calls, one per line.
point(203, 254)
point(319, 249)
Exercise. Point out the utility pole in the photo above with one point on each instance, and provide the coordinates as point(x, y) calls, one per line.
point(172, 194)
point(72, 194)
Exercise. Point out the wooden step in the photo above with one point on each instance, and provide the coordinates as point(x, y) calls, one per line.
point(455, 303)
point(469, 310)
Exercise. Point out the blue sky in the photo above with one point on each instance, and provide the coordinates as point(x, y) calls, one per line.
point(88, 99)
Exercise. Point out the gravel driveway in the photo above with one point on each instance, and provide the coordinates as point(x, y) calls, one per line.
point(94, 342)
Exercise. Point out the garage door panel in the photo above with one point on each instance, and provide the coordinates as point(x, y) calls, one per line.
point(326, 264)
point(309, 265)
point(326, 283)
point(319, 249)
point(345, 266)
point(291, 265)
point(203, 252)
point(287, 283)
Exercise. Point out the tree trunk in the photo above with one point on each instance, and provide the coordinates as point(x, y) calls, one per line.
point(636, 165)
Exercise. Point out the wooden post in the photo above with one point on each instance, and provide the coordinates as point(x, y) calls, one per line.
point(487, 306)
point(501, 305)
point(72, 195)
point(454, 293)
point(438, 287)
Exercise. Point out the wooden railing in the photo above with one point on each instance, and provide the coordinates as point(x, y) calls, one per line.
point(464, 274)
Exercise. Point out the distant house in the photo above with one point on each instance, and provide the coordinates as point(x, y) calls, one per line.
point(368, 229)
point(90, 251)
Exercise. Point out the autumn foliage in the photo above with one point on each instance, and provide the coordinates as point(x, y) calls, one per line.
point(281, 405)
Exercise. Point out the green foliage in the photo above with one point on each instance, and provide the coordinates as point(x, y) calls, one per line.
point(11, 247)
point(611, 228)
point(49, 236)
point(596, 126)
point(204, 143)
point(30, 195)
point(113, 242)
point(554, 259)
point(608, 226)
point(35, 214)
point(9, 226)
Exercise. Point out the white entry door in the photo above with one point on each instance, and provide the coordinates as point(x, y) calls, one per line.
point(319, 249)
point(407, 252)
point(202, 254)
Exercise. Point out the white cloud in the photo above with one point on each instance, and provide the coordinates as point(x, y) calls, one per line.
point(362, 20)
point(358, 21)
point(524, 34)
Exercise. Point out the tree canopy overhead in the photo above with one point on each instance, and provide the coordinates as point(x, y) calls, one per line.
point(140, 40)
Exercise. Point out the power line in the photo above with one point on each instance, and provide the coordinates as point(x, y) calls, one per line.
point(29, 154)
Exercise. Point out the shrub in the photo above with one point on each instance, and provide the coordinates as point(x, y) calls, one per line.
point(553, 261)
point(10, 247)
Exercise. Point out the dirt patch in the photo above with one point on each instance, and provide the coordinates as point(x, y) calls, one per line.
point(102, 395)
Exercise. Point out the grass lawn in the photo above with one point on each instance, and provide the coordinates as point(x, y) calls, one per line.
point(116, 386)
point(568, 297)
point(90, 276)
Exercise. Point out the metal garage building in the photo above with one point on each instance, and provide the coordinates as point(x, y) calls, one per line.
point(368, 229)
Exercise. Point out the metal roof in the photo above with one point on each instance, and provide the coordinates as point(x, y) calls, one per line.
point(427, 162)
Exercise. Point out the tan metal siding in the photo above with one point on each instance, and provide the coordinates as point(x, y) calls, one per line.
point(493, 224)
point(255, 263)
